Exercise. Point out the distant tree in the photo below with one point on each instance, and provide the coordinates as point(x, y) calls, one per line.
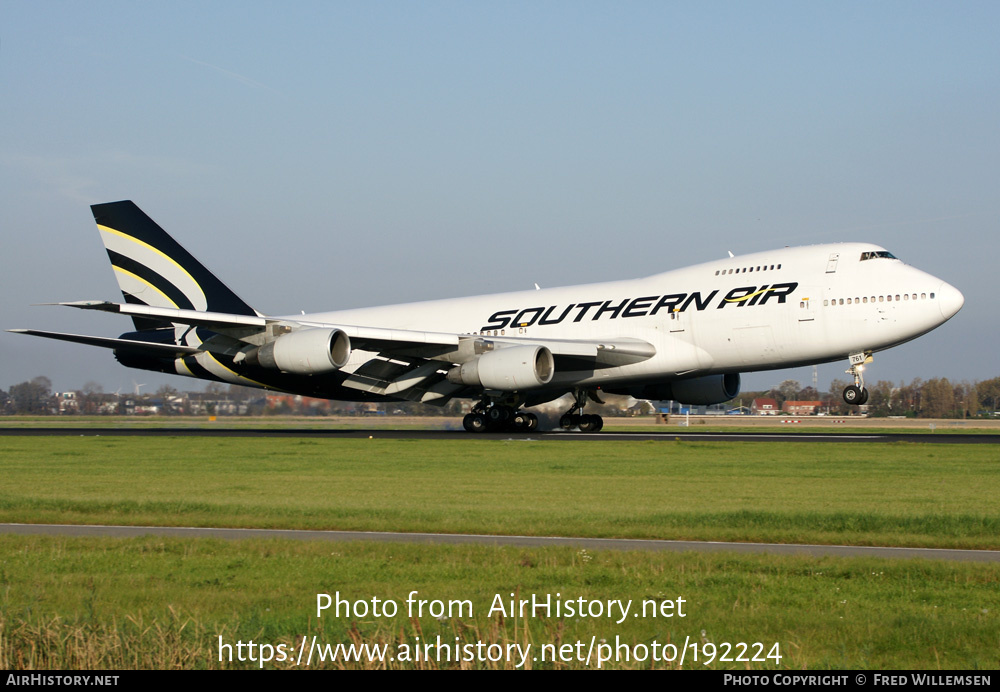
point(937, 399)
point(808, 394)
point(32, 396)
point(168, 397)
point(834, 400)
point(911, 397)
point(241, 394)
point(165, 391)
point(966, 399)
point(789, 389)
point(91, 397)
point(988, 394)
point(882, 399)
point(216, 390)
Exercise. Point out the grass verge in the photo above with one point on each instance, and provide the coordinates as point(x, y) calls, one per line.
point(74, 603)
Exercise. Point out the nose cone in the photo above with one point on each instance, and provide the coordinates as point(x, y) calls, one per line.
point(950, 300)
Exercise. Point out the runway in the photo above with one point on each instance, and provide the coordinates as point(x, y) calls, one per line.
point(523, 541)
point(550, 436)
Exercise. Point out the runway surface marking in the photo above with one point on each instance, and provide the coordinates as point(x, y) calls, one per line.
point(485, 539)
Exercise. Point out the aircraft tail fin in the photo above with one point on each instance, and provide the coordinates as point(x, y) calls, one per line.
point(153, 269)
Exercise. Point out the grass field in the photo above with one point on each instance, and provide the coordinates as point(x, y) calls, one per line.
point(158, 603)
point(857, 493)
point(162, 603)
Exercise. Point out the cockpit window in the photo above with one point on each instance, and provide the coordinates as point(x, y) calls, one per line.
point(879, 254)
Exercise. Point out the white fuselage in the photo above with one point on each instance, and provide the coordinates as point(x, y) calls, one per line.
point(767, 310)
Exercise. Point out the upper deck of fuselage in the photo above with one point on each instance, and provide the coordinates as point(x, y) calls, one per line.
point(804, 264)
point(804, 260)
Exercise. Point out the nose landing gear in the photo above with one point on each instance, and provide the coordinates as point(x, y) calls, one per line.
point(856, 394)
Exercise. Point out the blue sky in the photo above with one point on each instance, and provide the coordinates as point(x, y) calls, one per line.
point(327, 155)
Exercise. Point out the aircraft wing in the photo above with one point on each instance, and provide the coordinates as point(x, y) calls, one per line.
point(406, 343)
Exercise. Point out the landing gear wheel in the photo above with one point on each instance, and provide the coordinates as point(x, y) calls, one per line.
point(474, 422)
point(524, 422)
point(520, 422)
point(855, 395)
point(496, 414)
point(585, 421)
point(499, 417)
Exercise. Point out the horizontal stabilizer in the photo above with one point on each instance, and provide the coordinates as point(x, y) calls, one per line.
point(173, 315)
point(146, 347)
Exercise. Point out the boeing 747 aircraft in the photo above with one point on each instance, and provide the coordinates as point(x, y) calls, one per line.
point(684, 335)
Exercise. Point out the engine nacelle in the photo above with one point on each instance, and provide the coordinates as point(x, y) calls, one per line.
point(304, 352)
point(710, 389)
point(507, 369)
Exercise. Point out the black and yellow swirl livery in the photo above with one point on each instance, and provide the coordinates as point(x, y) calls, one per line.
point(153, 269)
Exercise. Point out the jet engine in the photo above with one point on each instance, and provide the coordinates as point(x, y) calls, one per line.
point(304, 352)
point(507, 369)
point(710, 389)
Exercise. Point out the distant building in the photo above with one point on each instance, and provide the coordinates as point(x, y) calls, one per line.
point(68, 403)
point(764, 407)
point(298, 404)
point(801, 408)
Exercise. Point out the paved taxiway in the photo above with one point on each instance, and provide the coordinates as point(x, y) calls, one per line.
point(524, 541)
point(552, 436)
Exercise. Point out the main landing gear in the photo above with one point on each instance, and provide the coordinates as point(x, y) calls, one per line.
point(487, 416)
point(493, 414)
point(575, 419)
point(856, 393)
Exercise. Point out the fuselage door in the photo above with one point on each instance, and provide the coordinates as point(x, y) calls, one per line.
point(806, 313)
point(677, 321)
point(831, 264)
